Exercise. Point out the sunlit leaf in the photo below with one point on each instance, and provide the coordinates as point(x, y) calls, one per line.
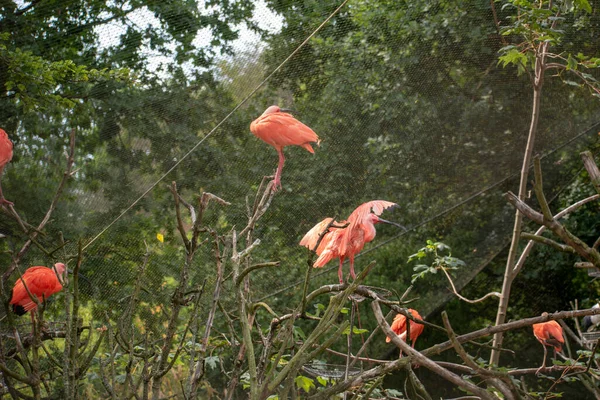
point(304, 383)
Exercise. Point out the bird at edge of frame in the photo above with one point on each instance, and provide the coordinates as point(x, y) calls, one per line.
point(345, 242)
point(42, 282)
point(549, 334)
point(590, 321)
point(277, 127)
point(6, 154)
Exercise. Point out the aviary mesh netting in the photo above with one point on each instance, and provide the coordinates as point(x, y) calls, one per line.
point(427, 104)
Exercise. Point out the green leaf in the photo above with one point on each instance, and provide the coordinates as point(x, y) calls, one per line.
point(571, 63)
point(514, 57)
point(394, 393)
point(298, 332)
point(355, 331)
point(212, 361)
point(322, 381)
point(304, 383)
point(583, 5)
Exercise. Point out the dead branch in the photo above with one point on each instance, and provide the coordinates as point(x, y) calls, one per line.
point(497, 379)
point(422, 360)
point(180, 226)
point(559, 230)
point(496, 294)
point(548, 242)
point(566, 211)
point(592, 169)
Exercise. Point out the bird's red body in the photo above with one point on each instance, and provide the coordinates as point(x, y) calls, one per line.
point(346, 242)
point(549, 334)
point(399, 327)
point(6, 153)
point(280, 129)
point(42, 282)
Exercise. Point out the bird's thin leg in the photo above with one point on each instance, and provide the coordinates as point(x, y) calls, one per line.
point(352, 273)
point(277, 180)
point(32, 314)
point(340, 273)
point(2, 199)
point(543, 362)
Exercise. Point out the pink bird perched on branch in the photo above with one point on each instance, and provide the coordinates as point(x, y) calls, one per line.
point(279, 129)
point(549, 334)
point(399, 327)
point(346, 242)
point(42, 282)
point(6, 153)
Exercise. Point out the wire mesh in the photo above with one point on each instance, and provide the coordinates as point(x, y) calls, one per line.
point(421, 114)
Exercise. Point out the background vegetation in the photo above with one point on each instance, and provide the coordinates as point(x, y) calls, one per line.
point(426, 104)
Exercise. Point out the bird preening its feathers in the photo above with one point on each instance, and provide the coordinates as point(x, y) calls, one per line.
point(279, 129)
point(345, 242)
point(549, 334)
point(42, 282)
point(399, 327)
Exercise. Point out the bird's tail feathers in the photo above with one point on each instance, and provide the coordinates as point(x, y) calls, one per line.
point(587, 322)
point(554, 343)
point(308, 147)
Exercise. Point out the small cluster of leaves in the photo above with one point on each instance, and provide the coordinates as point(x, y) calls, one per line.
point(433, 251)
point(537, 23)
point(36, 82)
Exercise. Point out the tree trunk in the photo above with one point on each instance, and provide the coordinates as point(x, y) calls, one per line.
point(510, 273)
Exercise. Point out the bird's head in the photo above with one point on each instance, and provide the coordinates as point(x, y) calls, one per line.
point(61, 272)
point(276, 109)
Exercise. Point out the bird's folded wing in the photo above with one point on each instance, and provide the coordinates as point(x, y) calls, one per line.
point(284, 130)
point(312, 236)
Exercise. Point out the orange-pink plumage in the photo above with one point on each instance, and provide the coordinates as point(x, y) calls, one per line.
point(549, 334)
point(42, 282)
point(399, 327)
point(279, 129)
point(346, 242)
point(6, 153)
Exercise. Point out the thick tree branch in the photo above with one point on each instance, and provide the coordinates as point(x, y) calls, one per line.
point(424, 361)
point(559, 230)
point(566, 211)
point(592, 169)
point(548, 242)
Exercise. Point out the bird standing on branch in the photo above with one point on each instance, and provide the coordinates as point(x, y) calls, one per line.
point(346, 242)
point(6, 153)
point(279, 129)
point(549, 334)
point(590, 320)
point(42, 282)
point(399, 327)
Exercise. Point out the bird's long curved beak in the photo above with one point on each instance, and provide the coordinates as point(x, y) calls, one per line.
point(392, 223)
